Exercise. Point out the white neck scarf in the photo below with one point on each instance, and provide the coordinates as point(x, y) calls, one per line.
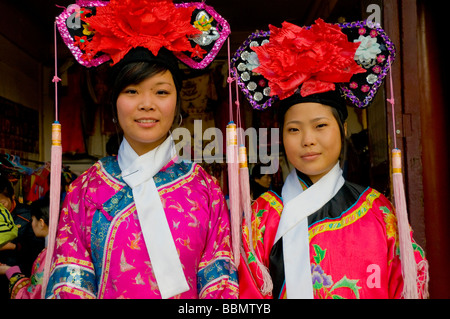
point(138, 172)
point(293, 227)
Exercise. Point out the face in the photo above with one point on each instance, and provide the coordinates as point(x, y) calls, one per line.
point(7, 202)
point(40, 229)
point(146, 111)
point(264, 181)
point(312, 139)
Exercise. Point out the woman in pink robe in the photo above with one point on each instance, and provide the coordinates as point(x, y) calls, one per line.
point(100, 251)
point(142, 224)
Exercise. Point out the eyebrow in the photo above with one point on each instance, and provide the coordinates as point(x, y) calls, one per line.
point(312, 121)
point(163, 82)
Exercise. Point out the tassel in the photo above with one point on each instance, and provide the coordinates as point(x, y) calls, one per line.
point(411, 283)
point(422, 283)
point(244, 179)
point(233, 186)
point(409, 266)
point(55, 197)
point(55, 179)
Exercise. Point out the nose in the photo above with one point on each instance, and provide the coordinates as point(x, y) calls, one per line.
point(308, 138)
point(146, 103)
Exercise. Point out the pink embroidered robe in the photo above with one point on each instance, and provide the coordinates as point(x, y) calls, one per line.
point(100, 251)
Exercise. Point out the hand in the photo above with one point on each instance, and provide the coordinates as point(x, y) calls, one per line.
point(8, 246)
point(3, 268)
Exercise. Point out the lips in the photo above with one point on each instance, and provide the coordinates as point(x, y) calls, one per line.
point(310, 156)
point(146, 122)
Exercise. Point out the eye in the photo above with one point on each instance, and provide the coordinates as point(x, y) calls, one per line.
point(293, 129)
point(130, 91)
point(162, 92)
point(321, 125)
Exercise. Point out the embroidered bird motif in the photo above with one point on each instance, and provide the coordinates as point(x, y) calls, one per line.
point(178, 207)
point(134, 243)
point(185, 242)
point(188, 189)
point(138, 280)
point(124, 266)
point(195, 205)
point(66, 228)
point(60, 241)
point(195, 223)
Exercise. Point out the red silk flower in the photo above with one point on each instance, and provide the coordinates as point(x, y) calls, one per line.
point(317, 57)
point(125, 24)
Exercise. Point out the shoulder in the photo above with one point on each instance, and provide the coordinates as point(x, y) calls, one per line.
point(175, 173)
point(368, 196)
point(378, 206)
point(268, 203)
point(187, 170)
point(104, 174)
point(4, 211)
point(22, 212)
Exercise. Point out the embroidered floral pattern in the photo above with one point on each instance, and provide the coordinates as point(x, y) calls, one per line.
point(323, 284)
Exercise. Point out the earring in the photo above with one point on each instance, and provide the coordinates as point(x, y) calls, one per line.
point(114, 120)
point(181, 120)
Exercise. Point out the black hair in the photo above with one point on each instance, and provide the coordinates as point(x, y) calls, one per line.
point(6, 187)
point(40, 209)
point(134, 73)
point(256, 171)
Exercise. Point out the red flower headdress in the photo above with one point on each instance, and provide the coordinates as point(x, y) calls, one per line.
point(317, 57)
point(97, 31)
point(151, 24)
point(274, 64)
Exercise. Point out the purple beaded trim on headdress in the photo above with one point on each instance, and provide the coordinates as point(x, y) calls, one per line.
point(377, 68)
point(67, 38)
point(222, 31)
point(254, 87)
point(378, 53)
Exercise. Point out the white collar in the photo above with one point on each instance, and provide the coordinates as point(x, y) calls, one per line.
point(138, 172)
point(293, 227)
